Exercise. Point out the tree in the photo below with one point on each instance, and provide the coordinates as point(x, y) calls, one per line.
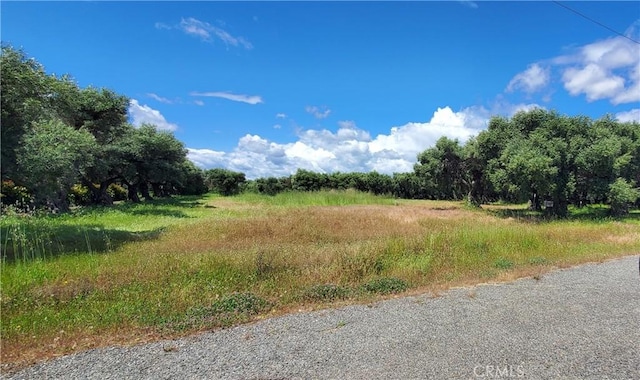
point(224, 181)
point(104, 114)
point(192, 179)
point(24, 86)
point(622, 195)
point(442, 170)
point(53, 155)
point(269, 185)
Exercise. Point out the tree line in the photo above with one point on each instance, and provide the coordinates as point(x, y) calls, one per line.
point(64, 145)
point(538, 156)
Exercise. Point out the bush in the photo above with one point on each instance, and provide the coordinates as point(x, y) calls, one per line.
point(385, 285)
point(18, 196)
point(622, 195)
point(503, 263)
point(325, 292)
point(117, 192)
point(79, 195)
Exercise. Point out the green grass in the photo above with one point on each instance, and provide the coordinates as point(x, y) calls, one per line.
point(317, 198)
point(186, 264)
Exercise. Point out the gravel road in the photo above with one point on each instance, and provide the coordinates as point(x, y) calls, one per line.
point(578, 323)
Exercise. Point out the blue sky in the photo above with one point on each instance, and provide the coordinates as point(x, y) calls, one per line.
point(268, 87)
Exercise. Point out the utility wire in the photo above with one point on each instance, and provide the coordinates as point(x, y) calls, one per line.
point(596, 22)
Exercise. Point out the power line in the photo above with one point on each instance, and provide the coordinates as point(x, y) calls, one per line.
point(596, 22)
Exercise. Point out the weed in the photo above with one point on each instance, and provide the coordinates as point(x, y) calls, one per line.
point(231, 309)
point(325, 293)
point(503, 263)
point(538, 260)
point(385, 285)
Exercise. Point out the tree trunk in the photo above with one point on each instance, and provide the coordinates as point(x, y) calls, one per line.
point(132, 192)
point(534, 201)
point(144, 190)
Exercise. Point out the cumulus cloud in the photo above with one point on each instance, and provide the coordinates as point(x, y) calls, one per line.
point(631, 115)
point(347, 149)
point(318, 112)
point(207, 32)
point(143, 114)
point(533, 79)
point(250, 99)
point(608, 69)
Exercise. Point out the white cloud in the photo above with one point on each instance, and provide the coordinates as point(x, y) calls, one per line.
point(159, 98)
point(250, 99)
point(281, 115)
point(592, 80)
point(207, 32)
point(143, 114)
point(348, 149)
point(533, 79)
point(318, 112)
point(631, 115)
point(607, 69)
point(198, 102)
point(277, 126)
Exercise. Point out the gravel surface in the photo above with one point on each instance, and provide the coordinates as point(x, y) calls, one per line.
point(578, 323)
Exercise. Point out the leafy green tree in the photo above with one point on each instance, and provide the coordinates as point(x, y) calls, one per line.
point(54, 155)
point(223, 181)
point(24, 86)
point(305, 180)
point(622, 195)
point(269, 185)
point(407, 186)
point(192, 179)
point(442, 170)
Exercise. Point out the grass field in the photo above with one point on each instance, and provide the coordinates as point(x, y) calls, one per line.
point(135, 273)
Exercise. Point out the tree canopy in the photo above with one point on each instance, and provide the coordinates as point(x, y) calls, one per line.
point(56, 135)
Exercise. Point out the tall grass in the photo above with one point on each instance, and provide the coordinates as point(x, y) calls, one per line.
point(316, 198)
point(218, 261)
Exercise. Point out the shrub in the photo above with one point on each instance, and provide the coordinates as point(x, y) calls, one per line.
point(325, 292)
point(79, 195)
point(241, 303)
point(231, 309)
point(18, 196)
point(503, 263)
point(385, 285)
point(117, 192)
point(622, 195)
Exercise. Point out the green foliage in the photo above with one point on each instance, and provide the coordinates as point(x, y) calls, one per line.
point(325, 293)
point(385, 285)
point(622, 195)
point(441, 170)
point(117, 192)
point(13, 195)
point(56, 134)
point(503, 263)
point(231, 309)
point(54, 154)
point(79, 195)
point(224, 182)
point(270, 185)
